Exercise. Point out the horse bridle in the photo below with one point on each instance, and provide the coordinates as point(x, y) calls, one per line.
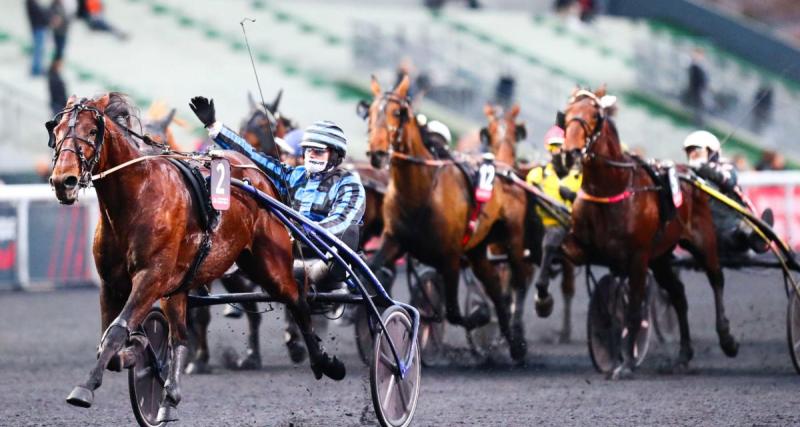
point(591, 134)
point(87, 165)
point(402, 115)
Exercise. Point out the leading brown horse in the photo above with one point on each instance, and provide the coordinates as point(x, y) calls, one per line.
point(427, 209)
point(149, 233)
point(616, 221)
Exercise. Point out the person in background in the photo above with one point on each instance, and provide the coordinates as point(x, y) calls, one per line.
point(96, 19)
point(56, 87)
point(39, 19)
point(697, 86)
point(59, 23)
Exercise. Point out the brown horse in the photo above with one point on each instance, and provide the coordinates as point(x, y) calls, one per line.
point(148, 235)
point(502, 135)
point(254, 130)
point(616, 221)
point(426, 212)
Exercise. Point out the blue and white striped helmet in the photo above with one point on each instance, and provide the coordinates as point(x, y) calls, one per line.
point(325, 134)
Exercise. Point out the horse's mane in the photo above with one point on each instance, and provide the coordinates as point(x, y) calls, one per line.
point(122, 110)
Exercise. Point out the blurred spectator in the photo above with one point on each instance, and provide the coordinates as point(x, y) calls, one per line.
point(56, 87)
point(698, 84)
point(562, 6)
point(771, 160)
point(39, 19)
point(435, 5)
point(504, 91)
point(740, 162)
point(762, 106)
point(59, 23)
point(95, 16)
point(42, 168)
point(588, 10)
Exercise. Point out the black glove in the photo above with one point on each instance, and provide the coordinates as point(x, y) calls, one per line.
point(566, 193)
point(204, 110)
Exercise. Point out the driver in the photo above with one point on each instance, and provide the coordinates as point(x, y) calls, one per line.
point(734, 235)
point(320, 190)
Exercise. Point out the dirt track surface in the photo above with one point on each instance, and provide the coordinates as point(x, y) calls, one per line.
point(48, 341)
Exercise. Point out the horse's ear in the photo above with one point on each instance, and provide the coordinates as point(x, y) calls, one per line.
point(575, 91)
point(167, 120)
point(71, 101)
point(102, 102)
point(251, 102)
point(514, 112)
point(521, 132)
point(601, 91)
point(276, 102)
point(488, 111)
point(402, 87)
point(375, 86)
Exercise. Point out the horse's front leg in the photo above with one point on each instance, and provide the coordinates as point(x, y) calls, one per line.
point(175, 310)
point(553, 237)
point(637, 281)
point(146, 290)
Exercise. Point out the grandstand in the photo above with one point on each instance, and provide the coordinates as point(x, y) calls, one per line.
point(322, 53)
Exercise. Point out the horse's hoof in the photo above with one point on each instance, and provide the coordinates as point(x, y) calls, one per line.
point(479, 317)
point(729, 346)
point(232, 311)
point(621, 372)
point(544, 305)
point(115, 363)
point(81, 397)
point(197, 368)
point(519, 349)
point(333, 368)
point(251, 362)
point(166, 413)
point(297, 351)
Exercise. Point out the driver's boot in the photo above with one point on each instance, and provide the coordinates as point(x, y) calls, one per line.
point(755, 241)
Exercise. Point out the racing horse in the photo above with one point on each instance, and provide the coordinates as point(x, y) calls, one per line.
point(148, 236)
point(254, 130)
point(501, 135)
point(427, 211)
point(617, 221)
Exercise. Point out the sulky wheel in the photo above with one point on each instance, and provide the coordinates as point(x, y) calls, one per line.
point(395, 398)
point(605, 325)
point(665, 319)
point(485, 340)
point(426, 296)
point(793, 329)
point(146, 378)
point(364, 339)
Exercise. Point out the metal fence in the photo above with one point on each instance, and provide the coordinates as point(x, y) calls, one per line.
point(44, 244)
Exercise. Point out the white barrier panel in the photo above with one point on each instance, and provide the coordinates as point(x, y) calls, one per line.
point(44, 244)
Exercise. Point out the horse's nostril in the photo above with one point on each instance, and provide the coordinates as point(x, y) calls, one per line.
point(71, 181)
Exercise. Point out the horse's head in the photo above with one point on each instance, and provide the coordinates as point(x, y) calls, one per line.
point(503, 132)
point(77, 134)
point(388, 114)
point(582, 122)
point(254, 129)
